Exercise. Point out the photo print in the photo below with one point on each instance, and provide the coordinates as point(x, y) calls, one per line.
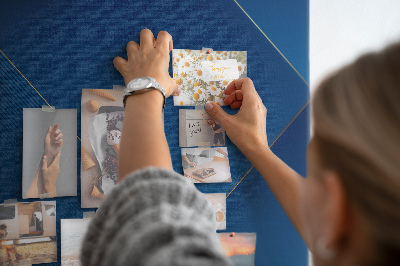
point(102, 114)
point(72, 234)
point(206, 164)
point(49, 153)
point(204, 76)
point(239, 247)
point(28, 233)
point(198, 128)
point(218, 201)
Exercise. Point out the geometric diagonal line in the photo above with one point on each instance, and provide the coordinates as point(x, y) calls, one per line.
point(29, 83)
point(25, 78)
point(270, 146)
point(265, 35)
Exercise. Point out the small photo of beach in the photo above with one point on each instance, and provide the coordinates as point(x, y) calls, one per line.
point(239, 247)
point(72, 233)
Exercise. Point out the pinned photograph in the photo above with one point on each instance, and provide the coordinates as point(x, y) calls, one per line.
point(204, 74)
point(218, 201)
point(206, 165)
point(239, 247)
point(102, 114)
point(28, 233)
point(72, 234)
point(198, 128)
point(49, 153)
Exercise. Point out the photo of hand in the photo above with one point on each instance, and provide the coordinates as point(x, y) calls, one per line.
point(44, 182)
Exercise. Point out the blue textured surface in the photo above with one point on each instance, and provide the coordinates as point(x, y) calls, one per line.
point(64, 46)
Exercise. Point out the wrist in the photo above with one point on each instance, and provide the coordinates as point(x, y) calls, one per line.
point(257, 147)
point(150, 100)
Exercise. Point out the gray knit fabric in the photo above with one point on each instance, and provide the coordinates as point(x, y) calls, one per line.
point(153, 217)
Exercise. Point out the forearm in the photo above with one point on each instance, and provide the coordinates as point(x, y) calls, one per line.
point(35, 187)
point(143, 141)
point(283, 181)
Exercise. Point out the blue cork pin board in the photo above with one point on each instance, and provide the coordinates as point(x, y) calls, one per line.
point(64, 46)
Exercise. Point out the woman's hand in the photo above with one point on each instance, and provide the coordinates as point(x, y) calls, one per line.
point(247, 128)
point(49, 174)
point(53, 143)
point(150, 59)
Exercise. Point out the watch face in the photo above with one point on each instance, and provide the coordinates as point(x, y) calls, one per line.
point(140, 83)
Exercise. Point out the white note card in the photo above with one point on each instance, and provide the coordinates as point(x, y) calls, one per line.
point(218, 70)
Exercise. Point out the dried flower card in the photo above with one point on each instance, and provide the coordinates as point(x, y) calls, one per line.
point(203, 77)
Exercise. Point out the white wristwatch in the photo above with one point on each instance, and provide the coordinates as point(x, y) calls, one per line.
point(142, 85)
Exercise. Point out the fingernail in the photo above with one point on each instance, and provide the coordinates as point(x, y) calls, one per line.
point(44, 157)
point(179, 90)
point(209, 106)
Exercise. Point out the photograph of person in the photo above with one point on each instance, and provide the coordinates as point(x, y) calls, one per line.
point(28, 233)
point(206, 165)
point(216, 128)
point(198, 128)
point(49, 153)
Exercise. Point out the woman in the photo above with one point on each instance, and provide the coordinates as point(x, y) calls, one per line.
point(217, 129)
point(12, 254)
point(346, 210)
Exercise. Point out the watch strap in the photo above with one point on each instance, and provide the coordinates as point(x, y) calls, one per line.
point(154, 85)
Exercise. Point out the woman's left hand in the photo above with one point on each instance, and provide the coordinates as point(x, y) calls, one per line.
point(150, 59)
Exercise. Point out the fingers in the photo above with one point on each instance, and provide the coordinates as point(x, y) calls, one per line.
point(235, 99)
point(44, 163)
point(60, 142)
point(119, 63)
point(177, 92)
point(58, 137)
point(244, 84)
point(218, 113)
point(146, 40)
point(54, 129)
point(48, 133)
point(132, 48)
point(164, 42)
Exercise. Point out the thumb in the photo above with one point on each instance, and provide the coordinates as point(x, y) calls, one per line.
point(218, 113)
point(48, 132)
point(56, 159)
point(119, 64)
point(44, 163)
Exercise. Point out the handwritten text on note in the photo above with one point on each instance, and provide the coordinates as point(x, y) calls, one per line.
point(219, 70)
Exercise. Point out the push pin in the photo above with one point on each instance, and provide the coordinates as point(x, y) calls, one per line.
point(232, 234)
point(209, 51)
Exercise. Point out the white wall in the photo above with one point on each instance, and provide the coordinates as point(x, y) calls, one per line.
point(341, 30)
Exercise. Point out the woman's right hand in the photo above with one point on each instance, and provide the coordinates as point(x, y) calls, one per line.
point(53, 143)
point(247, 128)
